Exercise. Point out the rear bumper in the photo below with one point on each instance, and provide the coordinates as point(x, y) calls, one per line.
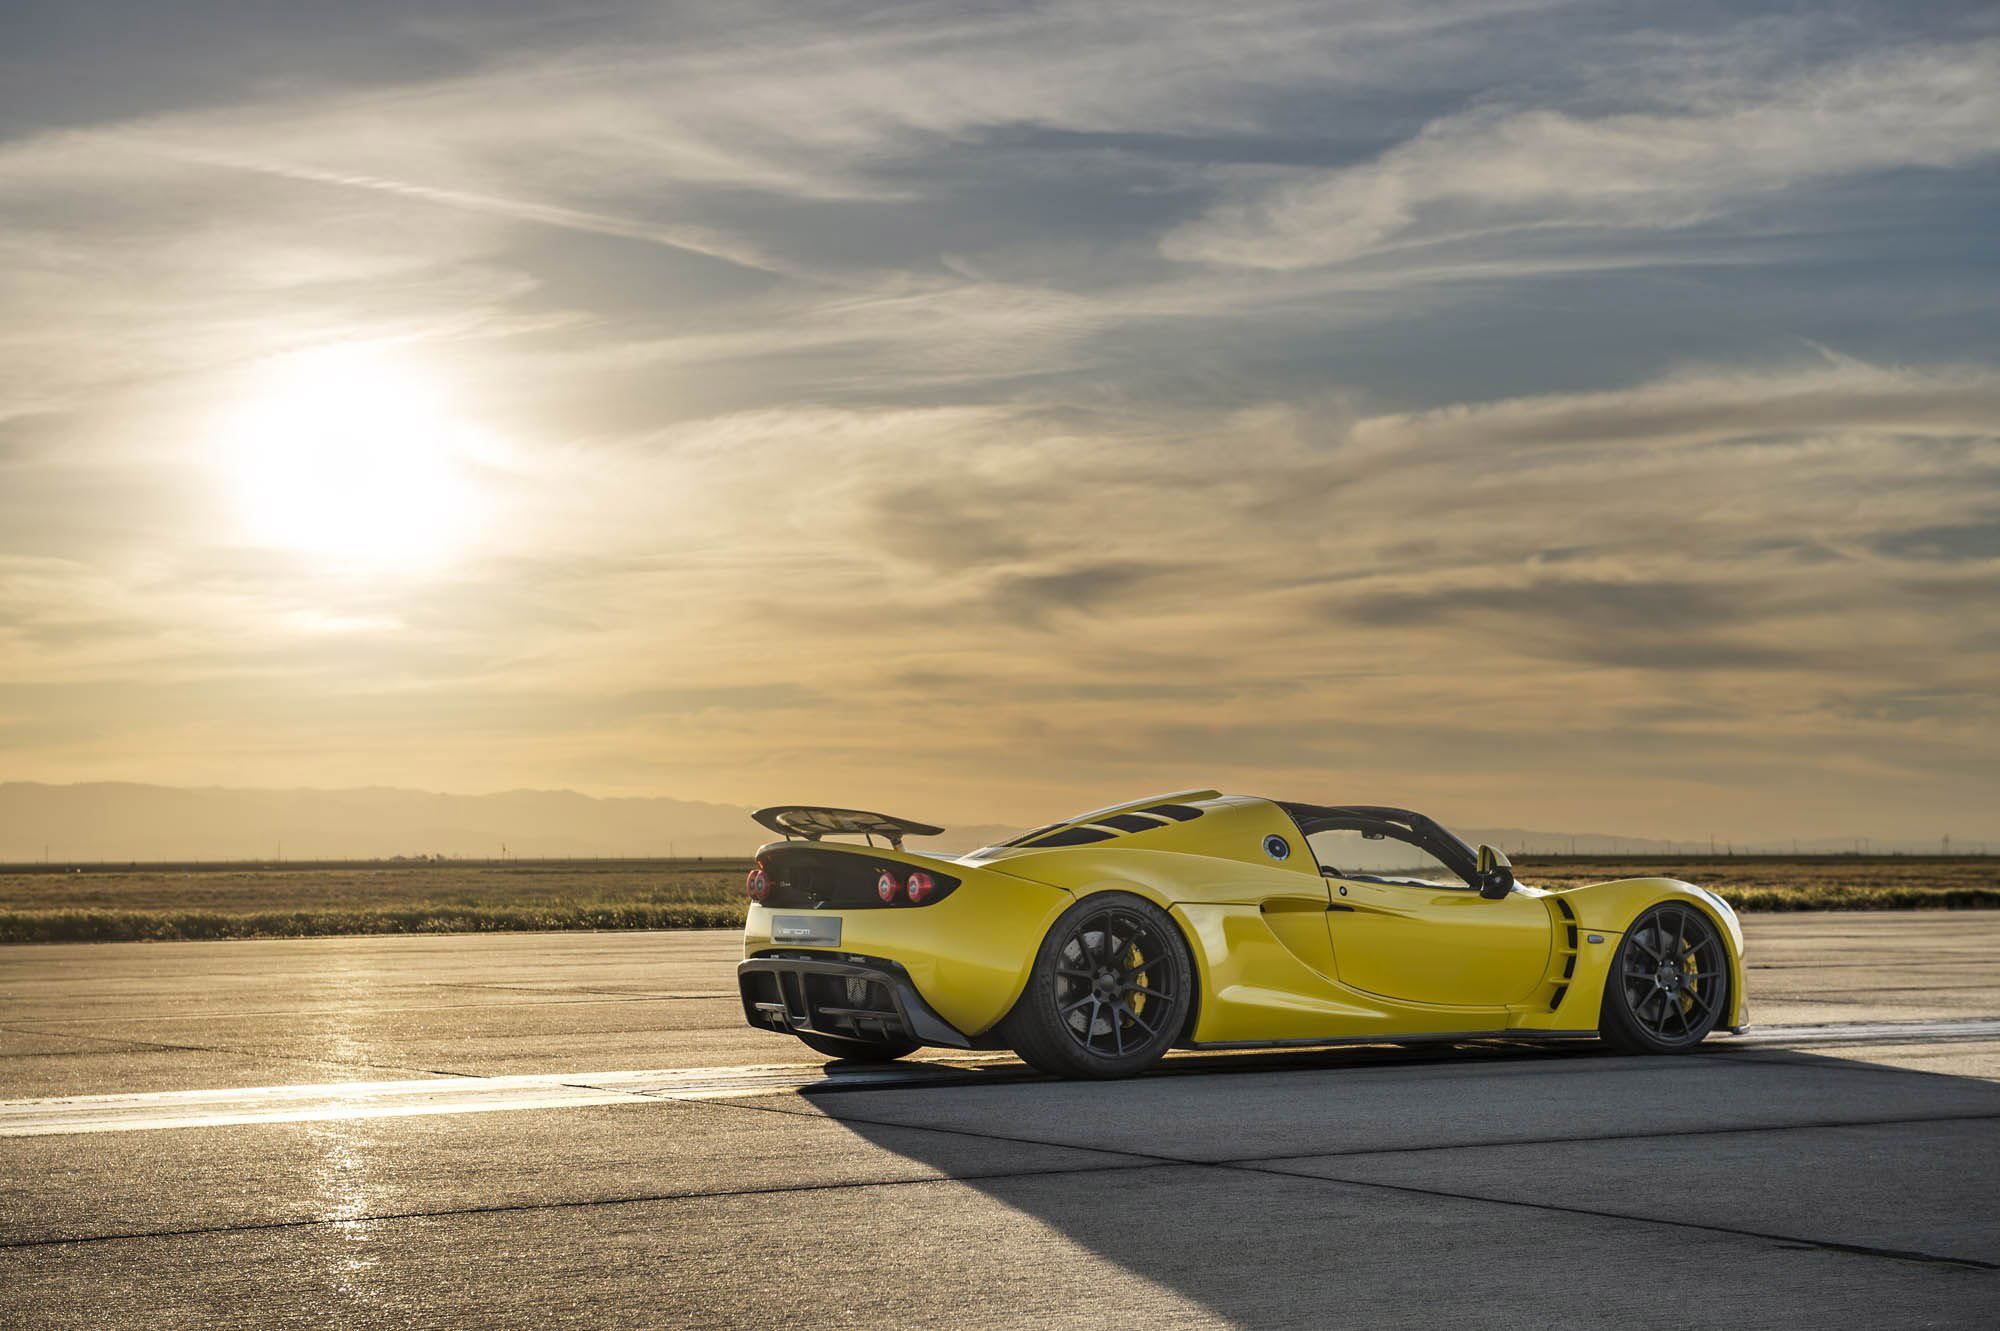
point(866, 999)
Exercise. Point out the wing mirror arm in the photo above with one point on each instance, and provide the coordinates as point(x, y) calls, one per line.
point(1496, 874)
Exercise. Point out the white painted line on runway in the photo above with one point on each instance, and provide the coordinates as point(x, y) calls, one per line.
point(475, 1095)
point(293, 1104)
point(1869, 1032)
point(442, 1095)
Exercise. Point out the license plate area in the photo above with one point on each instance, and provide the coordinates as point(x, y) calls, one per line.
point(806, 930)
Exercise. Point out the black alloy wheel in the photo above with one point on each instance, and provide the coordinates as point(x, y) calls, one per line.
point(1110, 991)
point(1669, 982)
point(857, 1051)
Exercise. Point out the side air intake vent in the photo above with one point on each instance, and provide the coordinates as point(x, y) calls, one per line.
point(1562, 962)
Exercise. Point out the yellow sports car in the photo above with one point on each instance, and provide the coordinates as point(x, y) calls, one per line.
point(1201, 920)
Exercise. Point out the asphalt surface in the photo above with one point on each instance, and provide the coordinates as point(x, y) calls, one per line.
point(578, 1130)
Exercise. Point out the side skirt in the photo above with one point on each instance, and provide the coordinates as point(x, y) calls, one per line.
point(1426, 1037)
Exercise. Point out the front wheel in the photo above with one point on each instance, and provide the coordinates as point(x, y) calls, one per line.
point(1669, 983)
point(1109, 992)
point(857, 1051)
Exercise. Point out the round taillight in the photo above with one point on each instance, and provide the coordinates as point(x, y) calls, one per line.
point(758, 884)
point(886, 886)
point(920, 886)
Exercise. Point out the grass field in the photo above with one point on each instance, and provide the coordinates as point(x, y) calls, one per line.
point(183, 902)
point(101, 904)
point(1773, 883)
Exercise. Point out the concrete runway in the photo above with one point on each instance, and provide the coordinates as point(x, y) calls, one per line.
point(578, 1130)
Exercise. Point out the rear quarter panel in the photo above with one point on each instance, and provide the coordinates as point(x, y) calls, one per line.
point(968, 954)
point(1255, 924)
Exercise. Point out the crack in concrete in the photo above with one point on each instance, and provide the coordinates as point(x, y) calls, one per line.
point(1661, 1134)
point(1784, 1240)
point(570, 1204)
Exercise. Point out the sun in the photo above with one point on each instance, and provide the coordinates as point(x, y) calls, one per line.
point(348, 454)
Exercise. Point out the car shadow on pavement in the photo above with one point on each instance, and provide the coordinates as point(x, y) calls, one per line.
point(1483, 1185)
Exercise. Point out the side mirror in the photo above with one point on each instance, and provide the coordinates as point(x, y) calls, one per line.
point(1496, 874)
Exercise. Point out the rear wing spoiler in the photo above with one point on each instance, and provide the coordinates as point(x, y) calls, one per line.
point(811, 822)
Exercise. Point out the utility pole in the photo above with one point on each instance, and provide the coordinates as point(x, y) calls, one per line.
point(1947, 843)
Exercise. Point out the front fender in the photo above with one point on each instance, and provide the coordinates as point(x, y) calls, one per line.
point(1608, 910)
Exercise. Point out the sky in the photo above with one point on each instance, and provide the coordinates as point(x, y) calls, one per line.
point(1576, 416)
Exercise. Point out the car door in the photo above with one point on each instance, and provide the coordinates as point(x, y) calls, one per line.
point(1438, 945)
point(1404, 927)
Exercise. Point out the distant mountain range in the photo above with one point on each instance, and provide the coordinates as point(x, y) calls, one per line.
point(121, 821)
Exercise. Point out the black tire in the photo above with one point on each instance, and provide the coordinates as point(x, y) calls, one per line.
point(1110, 991)
point(857, 1051)
point(1669, 982)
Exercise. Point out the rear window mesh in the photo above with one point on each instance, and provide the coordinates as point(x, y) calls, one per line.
point(1131, 822)
point(1073, 836)
point(1106, 826)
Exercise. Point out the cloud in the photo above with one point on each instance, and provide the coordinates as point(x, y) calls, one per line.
point(1655, 625)
point(1970, 542)
point(827, 154)
point(1719, 148)
point(687, 239)
point(1647, 536)
point(1707, 407)
point(850, 429)
point(1030, 598)
point(1616, 607)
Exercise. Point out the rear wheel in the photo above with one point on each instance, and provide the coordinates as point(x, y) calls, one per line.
point(1109, 992)
point(858, 1051)
point(1669, 983)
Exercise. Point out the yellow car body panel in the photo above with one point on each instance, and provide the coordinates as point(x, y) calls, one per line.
point(1605, 909)
point(1441, 947)
point(1283, 952)
point(968, 954)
